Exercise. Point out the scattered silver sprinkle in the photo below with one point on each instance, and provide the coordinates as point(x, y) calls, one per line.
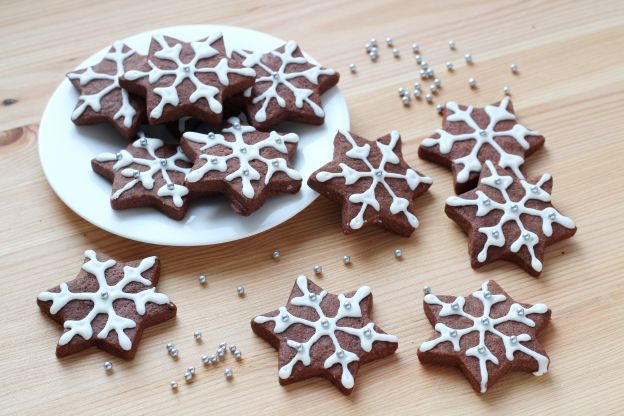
point(406, 100)
point(353, 68)
point(449, 65)
point(228, 373)
point(472, 82)
point(437, 82)
point(452, 45)
point(202, 279)
point(173, 352)
point(426, 290)
point(430, 72)
point(373, 56)
point(396, 53)
point(191, 370)
point(346, 259)
point(417, 93)
point(197, 335)
point(433, 88)
point(108, 366)
point(188, 376)
point(439, 108)
point(429, 98)
point(417, 85)
point(275, 254)
point(468, 58)
point(389, 41)
point(368, 47)
point(418, 59)
point(173, 384)
point(415, 47)
point(398, 252)
point(169, 346)
point(232, 348)
point(240, 290)
point(143, 142)
point(423, 74)
point(170, 186)
point(238, 355)
point(514, 68)
point(402, 92)
point(481, 350)
point(373, 41)
point(318, 269)
point(424, 64)
point(506, 90)
point(205, 359)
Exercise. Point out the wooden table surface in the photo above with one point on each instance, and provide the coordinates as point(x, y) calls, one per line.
point(571, 80)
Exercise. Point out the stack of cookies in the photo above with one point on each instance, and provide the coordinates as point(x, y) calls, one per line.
point(223, 107)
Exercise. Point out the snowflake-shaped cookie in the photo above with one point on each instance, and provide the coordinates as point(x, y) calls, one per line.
point(372, 182)
point(509, 218)
point(102, 99)
point(470, 136)
point(108, 305)
point(487, 335)
point(147, 173)
point(318, 333)
point(188, 79)
point(245, 164)
point(288, 87)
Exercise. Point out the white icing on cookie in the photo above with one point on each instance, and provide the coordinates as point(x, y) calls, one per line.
point(244, 153)
point(282, 77)
point(203, 50)
point(513, 211)
point(378, 175)
point(481, 137)
point(154, 165)
point(94, 101)
point(326, 326)
point(486, 324)
point(104, 298)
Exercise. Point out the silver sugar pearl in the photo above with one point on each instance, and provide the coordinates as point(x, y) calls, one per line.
point(526, 236)
point(367, 47)
point(243, 150)
point(398, 252)
point(373, 41)
point(108, 366)
point(318, 269)
point(430, 72)
point(389, 41)
point(378, 172)
point(143, 142)
point(228, 373)
point(402, 92)
point(506, 90)
point(373, 56)
point(453, 333)
point(104, 294)
point(487, 294)
point(197, 335)
point(275, 163)
point(170, 186)
point(487, 202)
point(424, 64)
point(173, 384)
point(312, 296)
point(497, 181)
point(513, 339)
point(495, 234)
point(275, 77)
point(481, 350)
point(340, 353)
point(449, 65)
point(514, 208)
point(221, 353)
point(275, 254)
point(238, 355)
point(535, 189)
point(374, 50)
point(186, 68)
point(455, 306)
point(468, 58)
point(426, 290)
point(347, 305)
point(188, 376)
point(417, 93)
point(485, 321)
point(406, 100)
point(482, 133)
point(300, 348)
point(429, 98)
point(552, 216)
point(514, 68)
point(191, 370)
point(415, 47)
point(324, 323)
point(211, 135)
point(368, 333)
point(245, 172)
point(169, 346)
point(285, 317)
point(163, 162)
point(437, 82)
point(472, 82)
point(451, 44)
point(237, 125)
point(240, 290)
point(520, 311)
point(202, 279)
point(136, 174)
point(214, 160)
point(205, 359)
point(346, 259)
point(417, 85)
point(418, 59)
point(433, 88)
point(423, 74)
point(173, 352)
point(396, 53)
point(439, 108)
point(353, 68)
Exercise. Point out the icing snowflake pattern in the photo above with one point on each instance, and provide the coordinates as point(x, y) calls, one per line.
point(104, 298)
point(94, 101)
point(378, 176)
point(326, 326)
point(202, 50)
point(481, 137)
point(513, 211)
point(281, 77)
point(486, 324)
point(245, 154)
point(154, 165)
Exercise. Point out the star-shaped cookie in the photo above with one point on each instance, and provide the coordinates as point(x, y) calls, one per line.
point(321, 334)
point(102, 99)
point(147, 173)
point(181, 79)
point(509, 218)
point(372, 182)
point(486, 335)
point(288, 87)
point(470, 136)
point(108, 305)
point(245, 164)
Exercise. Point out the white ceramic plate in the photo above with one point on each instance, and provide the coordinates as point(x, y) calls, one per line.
point(66, 151)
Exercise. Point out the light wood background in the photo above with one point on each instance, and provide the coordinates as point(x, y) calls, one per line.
point(570, 88)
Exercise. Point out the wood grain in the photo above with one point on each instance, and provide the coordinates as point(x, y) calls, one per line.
point(571, 81)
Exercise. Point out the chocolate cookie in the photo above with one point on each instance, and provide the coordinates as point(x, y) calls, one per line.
point(470, 136)
point(108, 305)
point(486, 335)
point(245, 164)
point(102, 99)
point(181, 79)
point(287, 88)
point(373, 183)
point(320, 334)
point(509, 218)
point(147, 173)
